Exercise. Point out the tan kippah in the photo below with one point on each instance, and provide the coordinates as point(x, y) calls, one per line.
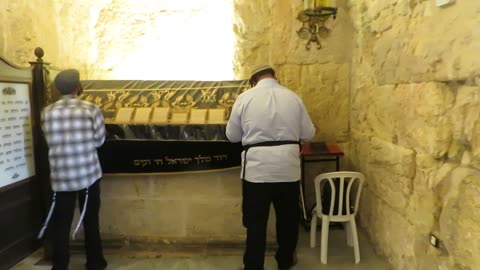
point(256, 69)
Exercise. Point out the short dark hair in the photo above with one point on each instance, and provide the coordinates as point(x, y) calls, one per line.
point(67, 80)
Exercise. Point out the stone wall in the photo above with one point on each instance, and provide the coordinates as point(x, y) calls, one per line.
point(23, 28)
point(266, 33)
point(196, 206)
point(415, 125)
point(64, 30)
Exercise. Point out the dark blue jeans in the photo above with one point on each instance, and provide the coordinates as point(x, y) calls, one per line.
point(62, 221)
point(257, 198)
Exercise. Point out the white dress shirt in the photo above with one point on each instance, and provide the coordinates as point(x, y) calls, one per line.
point(270, 112)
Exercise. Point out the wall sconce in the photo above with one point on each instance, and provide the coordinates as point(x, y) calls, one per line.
point(313, 17)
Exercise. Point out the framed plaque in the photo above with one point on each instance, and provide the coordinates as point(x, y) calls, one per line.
point(179, 117)
point(16, 140)
point(216, 116)
point(142, 115)
point(160, 115)
point(198, 116)
point(124, 115)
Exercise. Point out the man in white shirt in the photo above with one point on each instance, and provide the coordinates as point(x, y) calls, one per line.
point(270, 120)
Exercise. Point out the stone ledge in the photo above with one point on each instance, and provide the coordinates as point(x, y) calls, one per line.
point(171, 247)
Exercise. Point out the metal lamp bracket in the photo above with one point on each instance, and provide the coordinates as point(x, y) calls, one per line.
point(313, 24)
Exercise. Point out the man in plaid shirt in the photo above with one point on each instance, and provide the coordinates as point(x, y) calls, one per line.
point(74, 129)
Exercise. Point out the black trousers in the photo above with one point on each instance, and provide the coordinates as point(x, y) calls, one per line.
point(257, 198)
point(62, 220)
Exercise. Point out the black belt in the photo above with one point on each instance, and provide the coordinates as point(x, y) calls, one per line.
point(267, 143)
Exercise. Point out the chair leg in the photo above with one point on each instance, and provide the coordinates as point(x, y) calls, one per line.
point(324, 240)
point(313, 230)
point(356, 248)
point(348, 229)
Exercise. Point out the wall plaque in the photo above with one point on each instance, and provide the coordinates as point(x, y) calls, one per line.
point(16, 140)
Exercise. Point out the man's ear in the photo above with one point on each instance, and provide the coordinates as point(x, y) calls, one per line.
point(79, 89)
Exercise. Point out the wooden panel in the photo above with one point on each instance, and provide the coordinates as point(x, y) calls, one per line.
point(9, 70)
point(21, 212)
point(17, 251)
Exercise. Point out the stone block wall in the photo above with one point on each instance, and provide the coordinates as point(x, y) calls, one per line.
point(415, 117)
point(63, 29)
point(22, 28)
point(266, 33)
point(195, 206)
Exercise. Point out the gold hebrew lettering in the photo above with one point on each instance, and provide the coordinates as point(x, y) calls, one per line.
point(171, 161)
point(142, 162)
point(220, 157)
point(201, 159)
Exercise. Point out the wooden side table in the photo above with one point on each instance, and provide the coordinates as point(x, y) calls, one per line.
point(316, 152)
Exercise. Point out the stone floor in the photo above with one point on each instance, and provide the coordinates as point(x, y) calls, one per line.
point(340, 257)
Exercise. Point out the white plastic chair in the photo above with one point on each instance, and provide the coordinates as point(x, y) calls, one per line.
point(345, 214)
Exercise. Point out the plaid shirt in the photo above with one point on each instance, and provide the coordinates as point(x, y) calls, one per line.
point(74, 129)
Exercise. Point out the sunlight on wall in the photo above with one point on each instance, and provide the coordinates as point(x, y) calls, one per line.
point(185, 40)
